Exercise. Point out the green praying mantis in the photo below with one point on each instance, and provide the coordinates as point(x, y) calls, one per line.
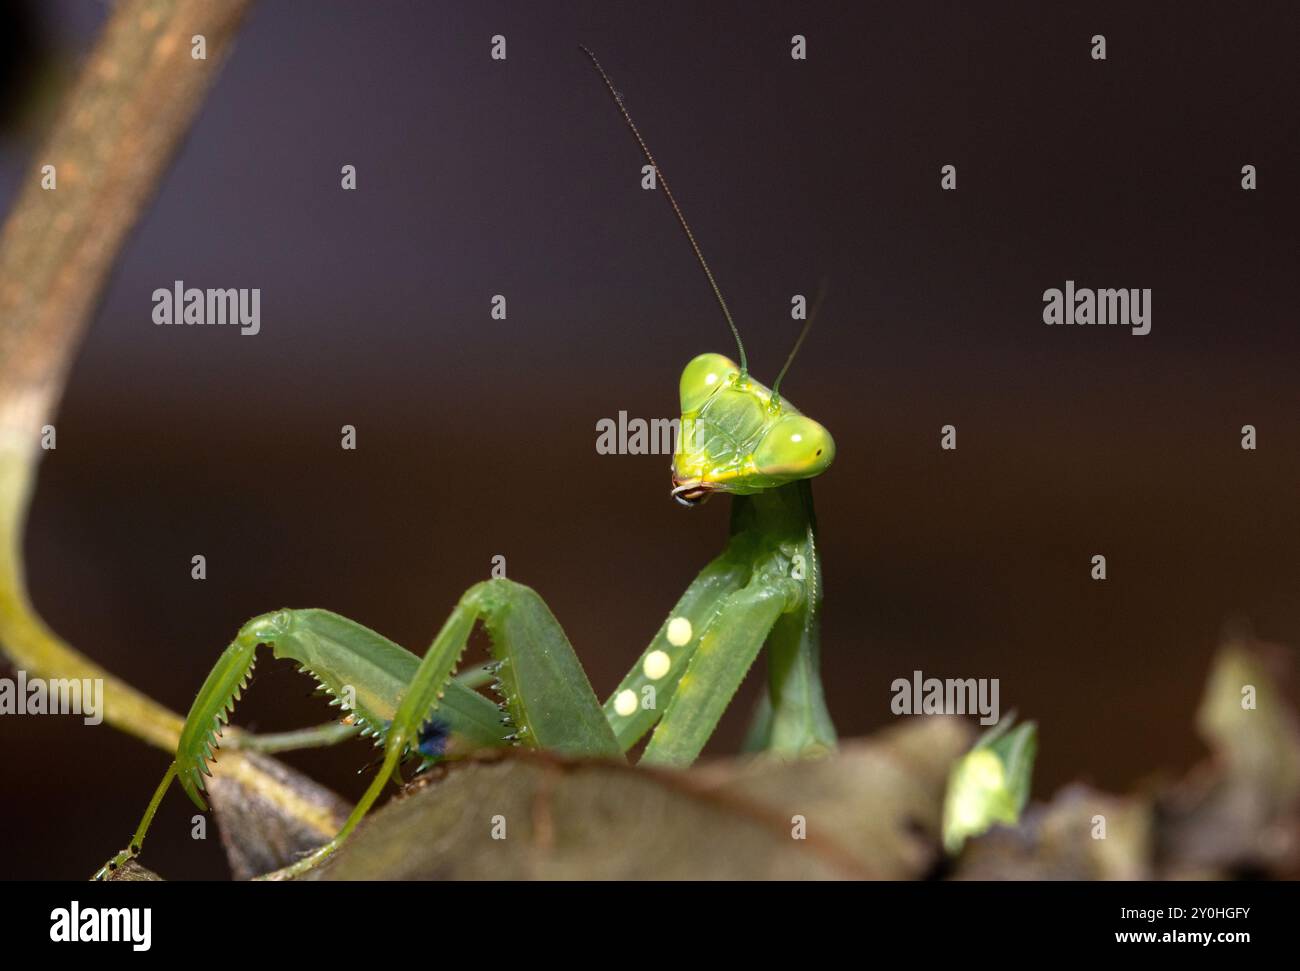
point(737, 436)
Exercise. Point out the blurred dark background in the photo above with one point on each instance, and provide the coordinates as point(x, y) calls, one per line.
point(476, 437)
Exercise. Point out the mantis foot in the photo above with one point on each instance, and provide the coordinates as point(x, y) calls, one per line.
point(112, 866)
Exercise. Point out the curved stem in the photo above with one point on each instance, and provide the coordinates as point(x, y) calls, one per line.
point(32, 646)
point(134, 100)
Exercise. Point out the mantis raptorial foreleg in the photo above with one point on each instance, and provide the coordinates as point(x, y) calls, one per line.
point(413, 706)
point(726, 650)
point(545, 691)
point(416, 708)
point(636, 705)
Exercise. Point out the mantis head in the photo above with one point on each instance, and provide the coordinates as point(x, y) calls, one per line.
point(739, 436)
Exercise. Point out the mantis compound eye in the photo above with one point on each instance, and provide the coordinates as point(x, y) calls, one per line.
point(704, 375)
point(795, 446)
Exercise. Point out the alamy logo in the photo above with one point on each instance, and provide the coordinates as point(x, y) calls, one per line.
point(212, 306)
point(133, 924)
point(1128, 308)
point(950, 696)
point(55, 696)
point(636, 436)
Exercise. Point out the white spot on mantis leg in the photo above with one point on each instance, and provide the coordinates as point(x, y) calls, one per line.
point(625, 703)
point(679, 632)
point(656, 664)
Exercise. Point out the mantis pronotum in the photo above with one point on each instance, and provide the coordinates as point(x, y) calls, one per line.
point(737, 437)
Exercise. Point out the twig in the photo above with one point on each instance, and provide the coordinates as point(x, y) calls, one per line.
point(135, 99)
point(133, 103)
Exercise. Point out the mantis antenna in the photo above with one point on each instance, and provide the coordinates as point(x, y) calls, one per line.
point(659, 174)
point(798, 341)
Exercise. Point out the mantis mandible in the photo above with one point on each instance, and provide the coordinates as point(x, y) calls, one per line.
point(737, 437)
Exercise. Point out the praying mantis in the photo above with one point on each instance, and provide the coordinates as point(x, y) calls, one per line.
point(737, 437)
